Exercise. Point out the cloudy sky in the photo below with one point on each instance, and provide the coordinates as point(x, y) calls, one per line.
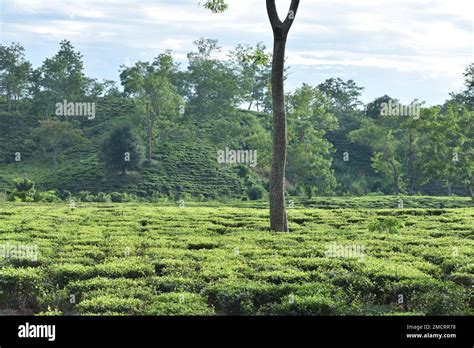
point(407, 49)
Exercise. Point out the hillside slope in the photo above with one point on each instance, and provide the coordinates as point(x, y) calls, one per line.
point(181, 166)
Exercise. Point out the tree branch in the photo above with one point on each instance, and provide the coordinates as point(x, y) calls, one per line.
point(281, 28)
point(273, 14)
point(290, 17)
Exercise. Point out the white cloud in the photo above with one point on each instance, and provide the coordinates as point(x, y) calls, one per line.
point(430, 37)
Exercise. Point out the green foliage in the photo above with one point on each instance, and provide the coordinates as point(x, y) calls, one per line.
point(390, 225)
point(24, 190)
point(255, 193)
point(61, 274)
point(307, 305)
point(413, 152)
point(59, 78)
point(129, 268)
point(107, 305)
point(121, 150)
point(334, 146)
point(159, 259)
point(212, 87)
point(253, 68)
point(117, 197)
point(14, 71)
point(172, 304)
point(383, 143)
point(309, 153)
point(466, 97)
point(53, 137)
point(151, 85)
point(216, 6)
point(20, 288)
point(49, 196)
point(448, 134)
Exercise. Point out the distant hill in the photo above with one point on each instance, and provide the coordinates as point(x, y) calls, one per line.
point(184, 165)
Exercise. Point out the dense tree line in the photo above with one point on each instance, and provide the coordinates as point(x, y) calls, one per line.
point(336, 144)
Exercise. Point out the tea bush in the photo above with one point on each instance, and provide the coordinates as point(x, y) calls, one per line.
point(159, 259)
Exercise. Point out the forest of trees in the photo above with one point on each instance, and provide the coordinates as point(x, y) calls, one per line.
point(337, 145)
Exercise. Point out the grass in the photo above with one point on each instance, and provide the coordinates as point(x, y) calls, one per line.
point(147, 259)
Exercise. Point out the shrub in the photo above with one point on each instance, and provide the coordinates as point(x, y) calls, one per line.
point(85, 196)
point(20, 288)
point(390, 225)
point(117, 197)
point(255, 193)
point(54, 300)
point(63, 273)
point(83, 289)
point(445, 298)
point(121, 141)
point(24, 190)
point(179, 304)
point(229, 260)
point(46, 196)
point(110, 305)
point(302, 305)
point(64, 195)
point(174, 284)
point(141, 292)
point(128, 268)
point(242, 297)
point(102, 198)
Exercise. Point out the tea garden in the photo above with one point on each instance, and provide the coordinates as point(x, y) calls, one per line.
point(221, 259)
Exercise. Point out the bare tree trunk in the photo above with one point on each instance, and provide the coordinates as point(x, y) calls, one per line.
point(278, 217)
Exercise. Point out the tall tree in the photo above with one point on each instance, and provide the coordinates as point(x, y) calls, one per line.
point(309, 162)
point(383, 140)
point(278, 218)
point(60, 78)
point(155, 94)
point(212, 86)
point(406, 132)
point(466, 98)
point(281, 29)
point(253, 66)
point(352, 172)
point(14, 71)
point(344, 97)
point(447, 139)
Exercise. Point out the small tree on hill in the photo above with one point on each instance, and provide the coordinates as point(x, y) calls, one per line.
point(54, 137)
point(120, 151)
point(156, 96)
